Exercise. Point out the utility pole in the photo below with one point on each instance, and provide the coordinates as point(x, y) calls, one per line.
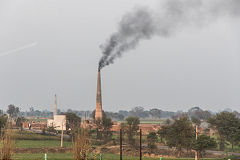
point(196, 155)
point(120, 144)
point(140, 144)
point(62, 136)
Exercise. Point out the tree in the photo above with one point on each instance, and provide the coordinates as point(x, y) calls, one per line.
point(168, 121)
point(163, 132)
point(107, 125)
point(228, 127)
point(103, 127)
point(31, 111)
point(203, 143)
point(131, 128)
point(196, 121)
point(13, 111)
point(122, 112)
point(72, 122)
point(138, 112)
point(199, 113)
point(115, 116)
point(156, 113)
point(151, 140)
point(180, 134)
point(3, 122)
point(19, 122)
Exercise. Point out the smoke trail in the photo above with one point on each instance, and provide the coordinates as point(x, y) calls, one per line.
point(143, 23)
point(18, 49)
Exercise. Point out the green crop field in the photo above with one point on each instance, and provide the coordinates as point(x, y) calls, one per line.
point(25, 135)
point(24, 139)
point(40, 143)
point(40, 156)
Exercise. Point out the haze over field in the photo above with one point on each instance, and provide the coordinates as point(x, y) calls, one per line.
point(195, 67)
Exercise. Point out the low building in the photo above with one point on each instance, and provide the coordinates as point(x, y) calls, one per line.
point(58, 122)
point(34, 125)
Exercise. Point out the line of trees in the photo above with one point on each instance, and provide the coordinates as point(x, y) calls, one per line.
point(154, 113)
point(228, 126)
point(181, 134)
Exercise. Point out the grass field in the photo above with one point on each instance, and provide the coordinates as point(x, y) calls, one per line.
point(25, 135)
point(40, 143)
point(40, 156)
point(24, 139)
point(68, 156)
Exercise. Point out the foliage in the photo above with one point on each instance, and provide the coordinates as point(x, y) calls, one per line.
point(138, 112)
point(114, 116)
point(180, 134)
point(131, 128)
point(155, 112)
point(103, 128)
point(228, 127)
point(168, 121)
point(73, 122)
point(199, 113)
point(13, 111)
point(19, 122)
point(162, 133)
point(151, 140)
point(196, 120)
point(3, 122)
point(107, 125)
point(203, 143)
point(52, 129)
point(38, 113)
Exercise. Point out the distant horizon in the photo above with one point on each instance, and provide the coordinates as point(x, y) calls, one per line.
point(146, 109)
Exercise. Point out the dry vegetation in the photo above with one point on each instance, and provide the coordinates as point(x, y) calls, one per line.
point(81, 146)
point(6, 145)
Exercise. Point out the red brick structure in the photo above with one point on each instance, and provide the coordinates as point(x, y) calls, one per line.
point(98, 111)
point(35, 125)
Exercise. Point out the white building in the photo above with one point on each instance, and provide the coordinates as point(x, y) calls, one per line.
point(58, 121)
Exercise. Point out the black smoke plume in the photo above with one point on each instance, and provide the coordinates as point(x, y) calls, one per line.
point(173, 15)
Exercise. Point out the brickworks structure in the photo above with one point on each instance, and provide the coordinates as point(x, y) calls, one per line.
point(98, 111)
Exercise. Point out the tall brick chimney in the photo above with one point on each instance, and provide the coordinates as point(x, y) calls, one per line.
point(98, 112)
point(55, 105)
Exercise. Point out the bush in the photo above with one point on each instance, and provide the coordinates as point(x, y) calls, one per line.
point(81, 146)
